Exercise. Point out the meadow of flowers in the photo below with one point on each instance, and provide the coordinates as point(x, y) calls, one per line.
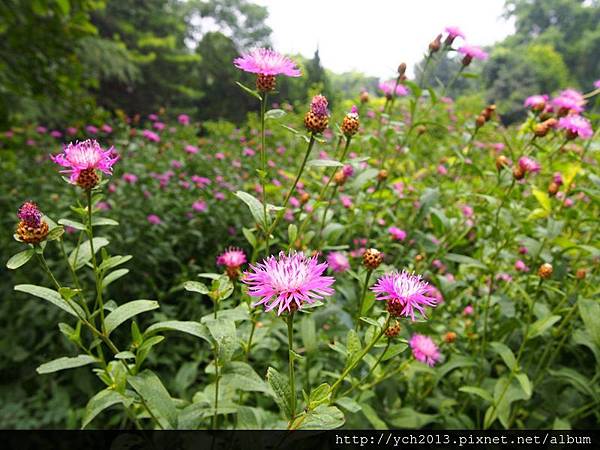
point(399, 261)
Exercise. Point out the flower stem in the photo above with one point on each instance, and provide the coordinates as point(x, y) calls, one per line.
point(263, 163)
point(217, 375)
point(362, 298)
point(97, 276)
point(290, 330)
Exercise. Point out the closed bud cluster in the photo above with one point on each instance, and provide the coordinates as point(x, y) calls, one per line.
point(393, 330)
point(545, 271)
point(350, 124)
point(502, 162)
point(372, 258)
point(317, 119)
point(485, 115)
point(436, 44)
point(32, 229)
point(449, 337)
point(541, 129)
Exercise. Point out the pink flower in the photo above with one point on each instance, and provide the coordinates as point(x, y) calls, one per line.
point(424, 349)
point(288, 282)
point(338, 262)
point(41, 130)
point(192, 150)
point(404, 291)
point(56, 134)
point(151, 136)
point(175, 164)
point(248, 152)
point(266, 62)
point(536, 102)
point(528, 164)
point(597, 84)
point(154, 219)
point(83, 156)
point(453, 33)
point(30, 214)
point(158, 126)
point(576, 125)
point(153, 117)
point(91, 129)
point(520, 266)
point(468, 311)
point(183, 119)
point(199, 206)
point(387, 87)
point(318, 105)
point(467, 211)
point(441, 169)
point(348, 170)
point(473, 52)
point(232, 258)
point(569, 100)
point(397, 233)
point(346, 201)
point(106, 128)
point(219, 156)
point(557, 178)
point(71, 131)
point(129, 178)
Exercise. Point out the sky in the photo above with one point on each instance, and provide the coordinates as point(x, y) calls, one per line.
point(374, 36)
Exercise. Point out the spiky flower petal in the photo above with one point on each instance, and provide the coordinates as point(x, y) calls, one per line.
point(86, 156)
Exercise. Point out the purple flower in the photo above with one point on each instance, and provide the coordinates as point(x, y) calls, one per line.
point(183, 119)
point(528, 164)
point(154, 219)
point(288, 281)
point(266, 62)
point(454, 32)
point(106, 128)
point(151, 136)
point(576, 125)
point(30, 214)
point(91, 129)
point(318, 106)
point(199, 206)
point(472, 52)
point(387, 87)
point(397, 233)
point(129, 178)
point(338, 261)
point(83, 156)
point(191, 149)
point(569, 100)
point(536, 102)
point(424, 349)
point(404, 292)
point(233, 258)
point(597, 84)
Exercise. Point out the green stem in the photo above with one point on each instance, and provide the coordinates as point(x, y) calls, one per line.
point(97, 275)
point(215, 416)
point(362, 298)
point(249, 343)
point(263, 163)
point(366, 377)
point(290, 330)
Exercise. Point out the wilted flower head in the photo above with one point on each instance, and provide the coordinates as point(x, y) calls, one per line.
point(576, 125)
point(404, 292)
point(85, 156)
point(387, 87)
point(30, 214)
point(288, 281)
point(338, 262)
point(424, 349)
point(265, 61)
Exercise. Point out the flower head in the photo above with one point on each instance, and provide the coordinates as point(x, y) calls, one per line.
point(569, 100)
point(32, 228)
point(183, 119)
point(473, 52)
point(528, 164)
point(85, 156)
point(536, 102)
point(318, 105)
point(597, 84)
point(397, 233)
point(454, 32)
point(154, 219)
point(387, 87)
point(233, 257)
point(265, 61)
point(404, 292)
point(288, 281)
point(338, 262)
point(30, 214)
point(576, 125)
point(424, 349)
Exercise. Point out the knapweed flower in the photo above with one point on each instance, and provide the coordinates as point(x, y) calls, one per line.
point(82, 159)
point(404, 293)
point(151, 136)
point(317, 119)
point(569, 101)
point(387, 87)
point(453, 33)
point(288, 281)
point(183, 119)
point(536, 102)
point(338, 262)
point(576, 125)
point(468, 311)
point(232, 259)
point(471, 52)
point(32, 229)
point(597, 84)
point(267, 64)
point(528, 164)
point(520, 266)
point(397, 233)
point(424, 349)
point(154, 219)
point(350, 124)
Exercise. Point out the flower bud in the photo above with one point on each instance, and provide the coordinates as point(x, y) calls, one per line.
point(553, 189)
point(364, 97)
point(450, 337)
point(518, 173)
point(402, 69)
point(393, 330)
point(581, 273)
point(265, 83)
point(502, 162)
point(372, 258)
point(382, 175)
point(32, 228)
point(436, 44)
point(545, 271)
point(304, 198)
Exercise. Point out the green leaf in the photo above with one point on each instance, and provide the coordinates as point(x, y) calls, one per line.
point(20, 259)
point(65, 6)
point(465, 260)
point(477, 391)
point(505, 353)
point(319, 396)
point(323, 418)
point(540, 326)
point(590, 314)
point(194, 328)
point(114, 261)
point(127, 311)
point(125, 355)
point(292, 233)
point(308, 333)
point(372, 417)
point(100, 221)
point(240, 312)
point(274, 114)
point(281, 390)
point(525, 383)
point(455, 362)
point(249, 235)
point(65, 363)
point(196, 286)
point(249, 91)
point(85, 253)
point(538, 213)
point(353, 345)
point(114, 276)
point(575, 379)
point(249, 418)
point(51, 296)
point(72, 224)
point(542, 198)
point(55, 233)
point(409, 418)
point(255, 206)
point(348, 404)
point(323, 163)
point(224, 333)
point(240, 375)
point(156, 398)
point(102, 400)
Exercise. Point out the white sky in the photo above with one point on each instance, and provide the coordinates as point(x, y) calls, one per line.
point(374, 36)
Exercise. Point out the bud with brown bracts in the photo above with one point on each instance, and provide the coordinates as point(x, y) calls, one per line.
point(372, 258)
point(545, 271)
